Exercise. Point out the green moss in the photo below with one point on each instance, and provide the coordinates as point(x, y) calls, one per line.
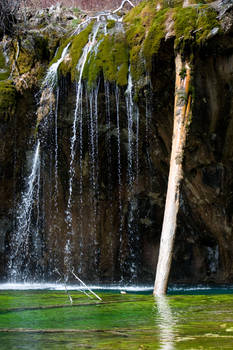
point(146, 28)
point(77, 44)
point(111, 59)
point(31, 50)
point(183, 73)
point(111, 24)
point(75, 22)
point(25, 61)
point(63, 44)
point(206, 21)
point(185, 23)
point(194, 24)
point(77, 10)
point(41, 48)
point(139, 21)
point(7, 98)
point(156, 33)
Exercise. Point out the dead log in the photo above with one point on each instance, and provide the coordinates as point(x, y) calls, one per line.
point(182, 108)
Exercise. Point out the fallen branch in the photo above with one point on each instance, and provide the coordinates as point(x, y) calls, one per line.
point(182, 108)
point(29, 330)
point(122, 5)
point(85, 286)
point(69, 296)
point(61, 306)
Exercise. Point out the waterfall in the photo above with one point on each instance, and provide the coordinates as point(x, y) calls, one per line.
point(51, 78)
point(129, 106)
point(119, 173)
point(26, 242)
point(77, 115)
point(26, 234)
point(105, 125)
point(56, 148)
point(132, 176)
point(80, 67)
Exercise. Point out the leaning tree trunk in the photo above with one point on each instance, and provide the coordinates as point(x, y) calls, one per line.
point(181, 117)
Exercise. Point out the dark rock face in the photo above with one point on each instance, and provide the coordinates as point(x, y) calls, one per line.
point(116, 227)
point(208, 164)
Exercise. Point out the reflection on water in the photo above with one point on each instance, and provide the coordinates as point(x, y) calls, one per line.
point(166, 323)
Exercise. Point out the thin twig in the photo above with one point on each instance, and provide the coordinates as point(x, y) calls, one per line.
point(85, 285)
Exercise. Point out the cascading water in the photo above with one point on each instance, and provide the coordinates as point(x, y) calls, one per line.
point(119, 173)
point(27, 244)
point(132, 174)
point(77, 115)
point(97, 134)
point(27, 227)
point(129, 106)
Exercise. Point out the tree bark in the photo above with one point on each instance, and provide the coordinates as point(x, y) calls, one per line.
point(181, 118)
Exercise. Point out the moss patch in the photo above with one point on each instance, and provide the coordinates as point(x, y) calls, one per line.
point(155, 34)
point(146, 28)
point(111, 59)
point(138, 21)
point(194, 24)
point(7, 99)
point(111, 24)
point(77, 44)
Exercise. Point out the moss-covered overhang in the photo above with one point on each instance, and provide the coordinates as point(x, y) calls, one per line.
point(146, 26)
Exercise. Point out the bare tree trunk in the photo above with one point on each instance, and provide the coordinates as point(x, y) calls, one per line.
point(181, 114)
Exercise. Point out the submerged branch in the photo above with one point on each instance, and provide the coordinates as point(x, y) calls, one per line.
point(63, 306)
point(85, 286)
point(121, 332)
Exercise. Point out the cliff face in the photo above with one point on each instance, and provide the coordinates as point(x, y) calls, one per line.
point(118, 197)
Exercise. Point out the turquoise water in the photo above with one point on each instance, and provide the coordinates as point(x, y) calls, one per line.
point(186, 319)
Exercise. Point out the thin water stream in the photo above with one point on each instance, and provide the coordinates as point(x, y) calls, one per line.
point(26, 233)
point(102, 125)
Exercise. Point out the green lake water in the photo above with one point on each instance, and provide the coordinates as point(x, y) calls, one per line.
point(40, 319)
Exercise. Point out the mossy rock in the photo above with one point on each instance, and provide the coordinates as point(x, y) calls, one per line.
point(111, 59)
point(32, 49)
point(194, 24)
point(146, 27)
point(7, 99)
point(111, 24)
point(145, 30)
point(78, 42)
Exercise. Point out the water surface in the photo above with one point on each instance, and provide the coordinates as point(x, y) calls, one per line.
point(44, 319)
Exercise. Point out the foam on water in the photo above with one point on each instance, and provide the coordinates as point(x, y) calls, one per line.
point(55, 286)
point(199, 289)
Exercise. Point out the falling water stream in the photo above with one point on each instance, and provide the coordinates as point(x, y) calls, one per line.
point(26, 234)
point(86, 123)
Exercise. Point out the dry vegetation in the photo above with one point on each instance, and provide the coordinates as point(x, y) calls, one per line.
point(9, 8)
point(82, 4)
